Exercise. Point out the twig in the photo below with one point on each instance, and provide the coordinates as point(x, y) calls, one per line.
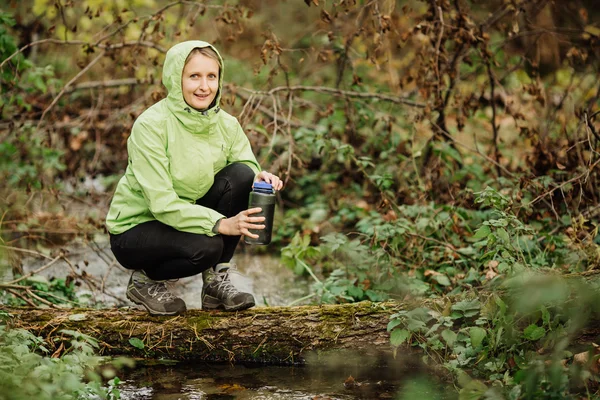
point(160, 11)
point(110, 267)
point(41, 300)
point(263, 109)
point(290, 140)
point(59, 95)
point(84, 43)
point(105, 84)
point(438, 46)
point(339, 92)
point(488, 64)
point(26, 251)
point(476, 151)
point(56, 297)
point(89, 280)
point(497, 15)
point(275, 126)
point(541, 196)
point(37, 271)
point(590, 127)
point(20, 296)
point(8, 286)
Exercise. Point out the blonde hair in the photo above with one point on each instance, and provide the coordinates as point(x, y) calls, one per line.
point(205, 51)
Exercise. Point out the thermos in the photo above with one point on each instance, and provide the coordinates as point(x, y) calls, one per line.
point(263, 196)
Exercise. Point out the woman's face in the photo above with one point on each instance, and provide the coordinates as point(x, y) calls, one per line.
point(200, 81)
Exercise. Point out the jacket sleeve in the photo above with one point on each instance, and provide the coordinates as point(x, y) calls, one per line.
point(241, 151)
point(150, 166)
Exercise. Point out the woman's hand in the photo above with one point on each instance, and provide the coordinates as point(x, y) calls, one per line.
point(240, 224)
point(270, 178)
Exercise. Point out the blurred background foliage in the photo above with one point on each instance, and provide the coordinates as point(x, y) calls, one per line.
point(433, 148)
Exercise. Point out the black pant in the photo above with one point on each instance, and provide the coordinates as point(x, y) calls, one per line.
point(163, 252)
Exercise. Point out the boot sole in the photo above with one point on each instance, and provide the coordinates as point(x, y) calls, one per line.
point(150, 311)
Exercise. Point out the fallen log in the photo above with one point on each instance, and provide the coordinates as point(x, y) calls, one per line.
point(275, 335)
point(267, 335)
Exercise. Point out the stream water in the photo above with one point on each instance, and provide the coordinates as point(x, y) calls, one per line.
point(103, 281)
point(212, 382)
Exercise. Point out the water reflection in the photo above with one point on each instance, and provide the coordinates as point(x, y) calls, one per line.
point(202, 381)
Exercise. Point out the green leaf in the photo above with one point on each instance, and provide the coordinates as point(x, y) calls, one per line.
point(482, 232)
point(399, 336)
point(477, 335)
point(534, 332)
point(355, 292)
point(545, 315)
point(502, 234)
point(393, 323)
point(449, 337)
point(467, 305)
point(474, 390)
point(137, 343)
point(442, 280)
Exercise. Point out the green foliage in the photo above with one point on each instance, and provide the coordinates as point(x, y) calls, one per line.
point(454, 250)
point(517, 342)
point(27, 159)
point(427, 250)
point(28, 371)
point(137, 343)
point(20, 77)
point(8, 46)
point(55, 290)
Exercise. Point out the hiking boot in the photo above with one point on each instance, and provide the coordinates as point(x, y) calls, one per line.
point(219, 292)
point(153, 295)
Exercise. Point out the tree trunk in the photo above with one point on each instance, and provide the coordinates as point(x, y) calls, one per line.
point(278, 335)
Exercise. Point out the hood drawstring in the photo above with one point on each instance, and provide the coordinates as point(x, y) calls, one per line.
point(205, 112)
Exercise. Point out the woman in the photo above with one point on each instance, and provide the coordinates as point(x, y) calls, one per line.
point(180, 208)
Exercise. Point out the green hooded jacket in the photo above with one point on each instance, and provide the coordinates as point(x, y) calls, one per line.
point(174, 153)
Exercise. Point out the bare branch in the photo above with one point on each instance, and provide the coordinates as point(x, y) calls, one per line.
point(83, 43)
point(105, 84)
point(36, 253)
point(79, 75)
point(37, 271)
point(574, 179)
point(476, 151)
point(340, 93)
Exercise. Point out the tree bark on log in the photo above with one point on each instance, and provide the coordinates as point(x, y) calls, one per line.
point(275, 335)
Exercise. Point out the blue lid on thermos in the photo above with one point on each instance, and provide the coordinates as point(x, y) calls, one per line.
point(262, 187)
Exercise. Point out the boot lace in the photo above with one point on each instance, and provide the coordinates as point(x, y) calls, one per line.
point(224, 284)
point(160, 291)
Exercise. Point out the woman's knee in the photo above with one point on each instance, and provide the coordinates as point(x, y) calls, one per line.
point(240, 176)
point(206, 252)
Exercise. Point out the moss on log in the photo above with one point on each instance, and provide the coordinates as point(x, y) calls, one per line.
point(279, 335)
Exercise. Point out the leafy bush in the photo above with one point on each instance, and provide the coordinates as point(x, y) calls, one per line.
point(28, 371)
point(517, 341)
point(429, 250)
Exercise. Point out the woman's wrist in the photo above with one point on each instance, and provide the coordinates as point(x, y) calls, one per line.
point(215, 228)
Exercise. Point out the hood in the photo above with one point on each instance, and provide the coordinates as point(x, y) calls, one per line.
point(171, 78)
